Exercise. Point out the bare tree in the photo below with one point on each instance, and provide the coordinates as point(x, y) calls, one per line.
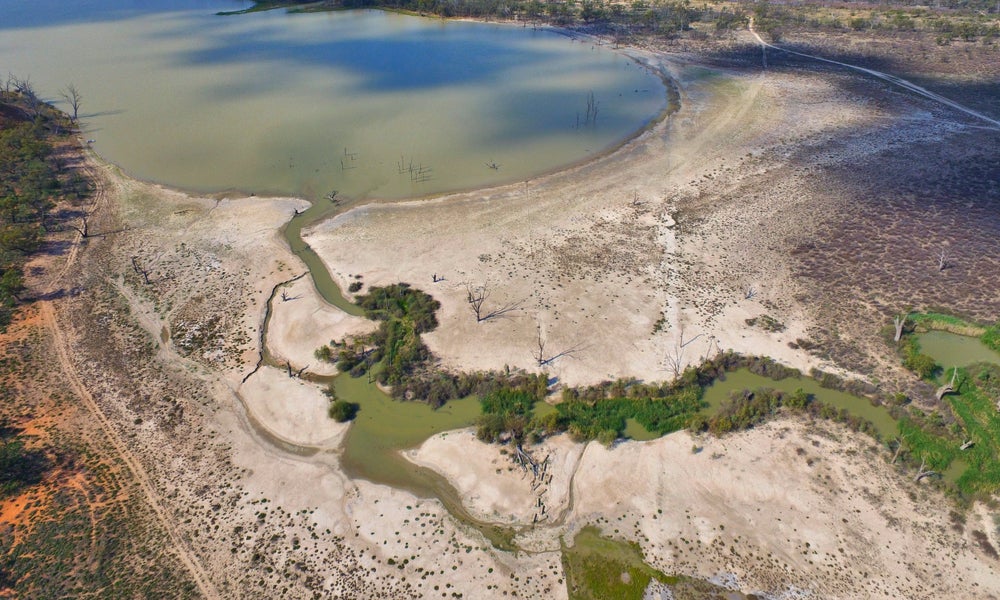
point(82, 229)
point(923, 472)
point(674, 359)
point(942, 258)
point(899, 448)
point(948, 388)
point(899, 321)
point(749, 293)
point(540, 355)
point(139, 270)
point(540, 345)
point(27, 91)
point(477, 295)
point(72, 97)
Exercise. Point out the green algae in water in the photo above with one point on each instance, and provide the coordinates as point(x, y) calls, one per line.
point(953, 350)
point(743, 379)
point(598, 568)
point(601, 568)
point(384, 427)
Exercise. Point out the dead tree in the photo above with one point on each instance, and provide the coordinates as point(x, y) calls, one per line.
point(922, 472)
point(899, 321)
point(967, 444)
point(27, 91)
point(942, 259)
point(476, 296)
point(899, 448)
point(72, 97)
point(948, 388)
point(541, 357)
point(139, 270)
point(674, 359)
point(749, 293)
point(82, 229)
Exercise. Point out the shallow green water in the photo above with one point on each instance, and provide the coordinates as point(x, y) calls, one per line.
point(600, 567)
point(953, 350)
point(301, 104)
point(635, 431)
point(384, 427)
point(744, 379)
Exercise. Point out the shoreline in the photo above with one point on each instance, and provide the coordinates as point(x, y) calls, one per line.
point(834, 511)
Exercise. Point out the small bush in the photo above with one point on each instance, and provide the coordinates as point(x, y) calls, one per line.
point(342, 410)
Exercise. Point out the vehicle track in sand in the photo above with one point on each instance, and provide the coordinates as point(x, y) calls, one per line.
point(50, 320)
point(888, 77)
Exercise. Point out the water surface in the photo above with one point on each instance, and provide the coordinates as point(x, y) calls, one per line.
point(954, 350)
point(368, 103)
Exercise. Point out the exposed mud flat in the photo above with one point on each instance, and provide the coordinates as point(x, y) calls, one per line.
point(675, 228)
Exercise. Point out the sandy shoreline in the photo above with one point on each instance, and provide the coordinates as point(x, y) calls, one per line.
point(674, 228)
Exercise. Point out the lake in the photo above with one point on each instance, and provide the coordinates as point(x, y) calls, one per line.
point(369, 103)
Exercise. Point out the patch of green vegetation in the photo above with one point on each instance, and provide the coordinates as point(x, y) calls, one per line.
point(599, 568)
point(29, 185)
point(767, 323)
point(945, 322)
point(342, 411)
point(976, 407)
point(605, 420)
point(506, 413)
point(913, 359)
point(991, 337)
point(401, 302)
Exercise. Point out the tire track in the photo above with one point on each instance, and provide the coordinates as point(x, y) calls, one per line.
point(893, 79)
point(49, 319)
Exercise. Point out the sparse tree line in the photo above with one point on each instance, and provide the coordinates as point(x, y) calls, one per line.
point(967, 20)
point(395, 356)
point(32, 178)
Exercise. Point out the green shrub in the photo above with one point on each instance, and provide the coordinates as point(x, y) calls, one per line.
point(342, 410)
point(992, 337)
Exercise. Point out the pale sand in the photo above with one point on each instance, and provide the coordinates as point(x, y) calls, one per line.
point(782, 507)
point(305, 322)
point(591, 256)
point(291, 409)
point(495, 489)
point(595, 270)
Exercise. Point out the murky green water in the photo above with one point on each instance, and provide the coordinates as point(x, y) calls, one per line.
point(744, 379)
point(384, 427)
point(369, 103)
point(598, 566)
point(953, 350)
